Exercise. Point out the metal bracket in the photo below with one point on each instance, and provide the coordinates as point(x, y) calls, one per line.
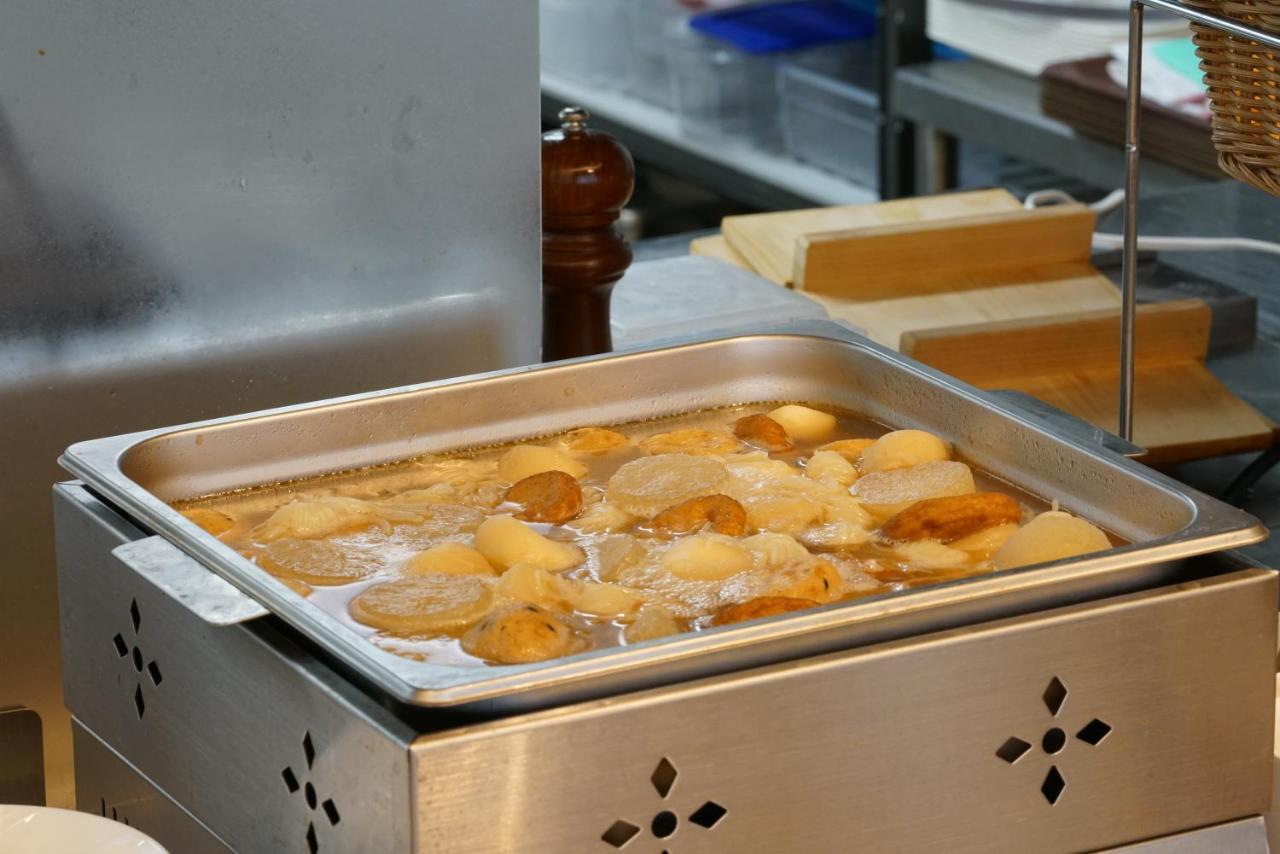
point(208, 596)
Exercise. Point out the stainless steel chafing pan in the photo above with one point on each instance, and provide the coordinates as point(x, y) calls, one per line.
point(823, 362)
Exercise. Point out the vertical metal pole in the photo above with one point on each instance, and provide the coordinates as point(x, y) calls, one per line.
point(1129, 290)
point(900, 40)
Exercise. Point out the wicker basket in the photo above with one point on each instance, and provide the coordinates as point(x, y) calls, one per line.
point(1243, 79)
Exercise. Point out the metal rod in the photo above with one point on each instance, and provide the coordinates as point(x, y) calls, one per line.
point(1132, 127)
point(1128, 306)
point(1235, 28)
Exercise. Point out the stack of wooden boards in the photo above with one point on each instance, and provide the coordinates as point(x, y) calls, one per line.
point(1003, 297)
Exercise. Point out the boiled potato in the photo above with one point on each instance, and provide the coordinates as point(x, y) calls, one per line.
point(505, 541)
point(606, 600)
point(831, 466)
point(424, 605)
point(1050, 536)
point(449, 557)
point(803, 423)
point(706, 557)
point(536, 586)
point(520, 635)
point(525, 460)
point(902, 449)
point(886, 493)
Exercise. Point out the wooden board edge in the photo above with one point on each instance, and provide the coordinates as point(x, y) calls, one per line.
point(1088, 340)
point(715, 246)
point(885, 261)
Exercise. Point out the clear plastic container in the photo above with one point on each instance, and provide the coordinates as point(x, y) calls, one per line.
point(720, 92)
point(829, 113)
point(583, 40)
point(650, 25)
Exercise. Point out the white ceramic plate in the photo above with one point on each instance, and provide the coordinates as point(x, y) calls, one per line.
point(42, 830)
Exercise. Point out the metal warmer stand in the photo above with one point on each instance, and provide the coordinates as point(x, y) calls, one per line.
point(1078, 706)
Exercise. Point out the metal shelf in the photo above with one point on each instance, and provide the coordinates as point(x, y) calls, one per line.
point(733, 168)
point(1000, 110)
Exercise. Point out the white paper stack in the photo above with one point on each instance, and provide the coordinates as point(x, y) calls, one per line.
point(1028, 41)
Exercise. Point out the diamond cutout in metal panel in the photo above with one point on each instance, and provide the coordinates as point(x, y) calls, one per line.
point(1053, 785)
point(708, 815)
point(665, 822)
point(664, 777)
point(1013, 750)
point(134, 655)
point(1094, 732)
point(1054, 696)
point(310, 794)
point(620, 833)
point(1054, 741)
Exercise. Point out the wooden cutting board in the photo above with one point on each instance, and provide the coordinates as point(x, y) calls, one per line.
point(715, 246)
point(940, 256)
point(887, 321)
point(767, 242)
point(1002, 297)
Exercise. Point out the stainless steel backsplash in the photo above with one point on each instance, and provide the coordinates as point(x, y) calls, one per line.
point(208, 208)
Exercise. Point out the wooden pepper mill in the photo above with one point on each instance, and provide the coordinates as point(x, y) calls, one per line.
point(587, 178)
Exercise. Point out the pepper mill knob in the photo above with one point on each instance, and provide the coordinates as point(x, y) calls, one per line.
point(587, 178)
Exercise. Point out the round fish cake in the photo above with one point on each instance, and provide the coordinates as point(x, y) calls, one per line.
point(424, 605)
point(520, 635)
point(692, 441)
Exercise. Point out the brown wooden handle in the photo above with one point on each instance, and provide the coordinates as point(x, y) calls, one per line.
point(587, 178)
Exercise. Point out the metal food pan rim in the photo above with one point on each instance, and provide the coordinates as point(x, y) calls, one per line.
point(1213, 527)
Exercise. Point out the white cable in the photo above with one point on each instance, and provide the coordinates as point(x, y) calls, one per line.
point(1108, 203)
point(1151, 243)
